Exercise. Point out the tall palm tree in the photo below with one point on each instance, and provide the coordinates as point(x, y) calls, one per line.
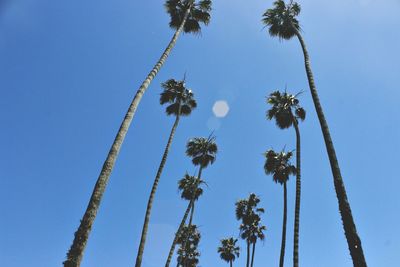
point(282, 22)
point(188, 255)
point(190, 191)
point(180, 103)
point(186, 16)
point(247, 211)
point(278, 164)
point(203, 152)
point(287, 112)
point(228, 250)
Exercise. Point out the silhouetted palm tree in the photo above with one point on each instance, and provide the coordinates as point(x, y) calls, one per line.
point(278, 164)
point(188, 255)
point(186, 16)
point(287, 112)
point(180, 103)
point(190, 191)
point(249, 214)
point(255, 233)
point(203, 153)
point(282, 22)
point(229, 251)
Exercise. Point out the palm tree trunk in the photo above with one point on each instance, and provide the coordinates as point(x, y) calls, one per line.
point(283, 244)
point(252, 254)
point(172, 249)
point(230, 263)
point(75, 253)
point(353, 240)
point(248, 254)
point(153, 192)
point(298, 197)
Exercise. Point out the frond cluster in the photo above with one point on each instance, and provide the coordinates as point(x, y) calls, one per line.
point(228, 250)
point(282, 19)
point(199, 14)
point(188, 255)
point(202, 150)
point(190, 187)
point(285, 109)
point(278, 164)
point(180, 99)
point(247, 211)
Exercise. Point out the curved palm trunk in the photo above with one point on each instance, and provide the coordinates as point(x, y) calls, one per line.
point(252, 254)
point(75, 253)
point(172, 249)
point(353, 240)
point(153, 192)
point(298, 197)
point(248, 254)
point(283, 244)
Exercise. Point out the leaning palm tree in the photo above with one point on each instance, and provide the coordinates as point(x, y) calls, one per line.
point(186, 16)
point(190, 191)
point(180, 103)
point(228, 250)
point(278, 164)
point(287, 112)
point(247, 211)
point(282, 22)
point(203, 153)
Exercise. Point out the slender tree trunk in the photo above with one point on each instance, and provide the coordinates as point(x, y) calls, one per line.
point(252, 254)
point(248, 254)
point(153, 192)
point(75, 253)
point(172, 249)
point(230, 263)
point(283, 244)
point(353, 240)
point(298, 197)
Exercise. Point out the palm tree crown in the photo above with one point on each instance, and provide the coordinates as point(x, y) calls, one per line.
point(202, 150)
point(283, 105)
point(278, 164)
point(189, 185)
point(179, 98)
point(228, 250)
point(199, 13)
point(281, 19)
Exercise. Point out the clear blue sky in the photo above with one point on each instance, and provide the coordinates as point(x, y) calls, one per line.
point(68, 70)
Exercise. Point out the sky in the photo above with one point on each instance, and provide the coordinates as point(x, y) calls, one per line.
point(69, 69)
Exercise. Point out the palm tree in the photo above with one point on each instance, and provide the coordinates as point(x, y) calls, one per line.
point(181, 103)
point(186, 16)
point(255, 233)
point(203, 153)
point(188, 255)
point(282, 22)
point(249, 214)
point(287, 112)
point(190, 191)
point(278, 164)
point(228, 250)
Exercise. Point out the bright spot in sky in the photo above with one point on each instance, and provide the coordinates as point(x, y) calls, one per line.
point(220, 108)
